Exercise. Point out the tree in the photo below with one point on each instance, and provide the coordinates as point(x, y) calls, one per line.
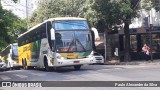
point(56, 8)
point(148, 4)
point(112, 13)
point(11, 26)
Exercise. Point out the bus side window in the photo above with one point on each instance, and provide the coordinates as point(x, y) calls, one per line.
point(43, 35)
point(30, 38)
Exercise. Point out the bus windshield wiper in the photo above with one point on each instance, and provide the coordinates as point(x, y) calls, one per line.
point(80, 44)
point(76, 47)
point(70, 45)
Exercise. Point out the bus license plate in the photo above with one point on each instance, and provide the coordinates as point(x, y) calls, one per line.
point(76, 62)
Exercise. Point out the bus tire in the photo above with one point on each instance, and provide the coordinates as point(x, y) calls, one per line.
point(31, 67)
point(56, 69)
point(47, 68)
point(18, 68)
point(10, 68)
point(77, 67)
point(24, 63)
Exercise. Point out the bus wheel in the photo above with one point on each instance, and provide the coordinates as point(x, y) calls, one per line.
point(31, 67)
point(77, 67)
point(56, 69)
point(47, 68)
point(24, 63)
point(10, 68)
point(17, 68)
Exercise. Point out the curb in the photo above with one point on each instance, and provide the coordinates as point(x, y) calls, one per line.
point(117, 62)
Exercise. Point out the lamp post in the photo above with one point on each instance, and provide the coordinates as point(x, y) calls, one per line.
point(151, 28)
point(27, 13)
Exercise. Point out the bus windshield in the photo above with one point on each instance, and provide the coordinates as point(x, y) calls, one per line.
point(15, 51)
point(73, 41)
point(71, 25)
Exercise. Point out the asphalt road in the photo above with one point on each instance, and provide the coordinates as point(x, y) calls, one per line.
point(88, 73)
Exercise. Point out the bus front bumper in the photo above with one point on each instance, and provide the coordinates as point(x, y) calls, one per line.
point(72, 62)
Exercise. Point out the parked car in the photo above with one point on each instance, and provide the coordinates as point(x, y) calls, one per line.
point(3, 66)
point(98, 58)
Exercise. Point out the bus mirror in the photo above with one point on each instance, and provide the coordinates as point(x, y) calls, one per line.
point(95, 33)
point(52, 34)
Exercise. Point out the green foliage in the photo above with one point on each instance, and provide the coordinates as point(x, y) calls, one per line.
point(11, 26)
point(156, 4)
point(147, 4)
point(110, 12)
point(56, 8)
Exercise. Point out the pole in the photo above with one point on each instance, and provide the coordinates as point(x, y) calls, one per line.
point(150, 31)
point(72, 8)
point(27, 13)
point(151, 28)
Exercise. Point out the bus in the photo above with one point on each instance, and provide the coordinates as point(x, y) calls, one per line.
point(10, 56)
point(56, 42)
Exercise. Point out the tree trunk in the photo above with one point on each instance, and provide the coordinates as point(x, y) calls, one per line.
point(107, 46)
point(127, 56)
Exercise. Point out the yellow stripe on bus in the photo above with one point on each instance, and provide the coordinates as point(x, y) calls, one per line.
point(25, 53)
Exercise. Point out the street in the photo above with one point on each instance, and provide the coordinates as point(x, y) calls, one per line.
point(89, 73)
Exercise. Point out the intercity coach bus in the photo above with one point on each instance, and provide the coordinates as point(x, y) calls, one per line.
point(56, 42)
point(10, 56)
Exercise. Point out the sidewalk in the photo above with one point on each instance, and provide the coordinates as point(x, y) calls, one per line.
point(140, 62)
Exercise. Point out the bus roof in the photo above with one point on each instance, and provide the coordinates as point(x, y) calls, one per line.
point(9, 45)
point(66, 18)
point(52, 19)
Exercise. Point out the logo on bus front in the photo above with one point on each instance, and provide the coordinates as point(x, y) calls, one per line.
point(70, 54)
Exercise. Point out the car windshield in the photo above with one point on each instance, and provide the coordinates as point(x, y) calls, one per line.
point(71, 25)
point(95, 53)
point(73, 41)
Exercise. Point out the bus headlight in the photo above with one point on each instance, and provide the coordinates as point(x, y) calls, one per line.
point(60, 57)
point(52, 60)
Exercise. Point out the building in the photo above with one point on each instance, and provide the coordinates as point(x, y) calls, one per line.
point(145, 29)
point(22, 8)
